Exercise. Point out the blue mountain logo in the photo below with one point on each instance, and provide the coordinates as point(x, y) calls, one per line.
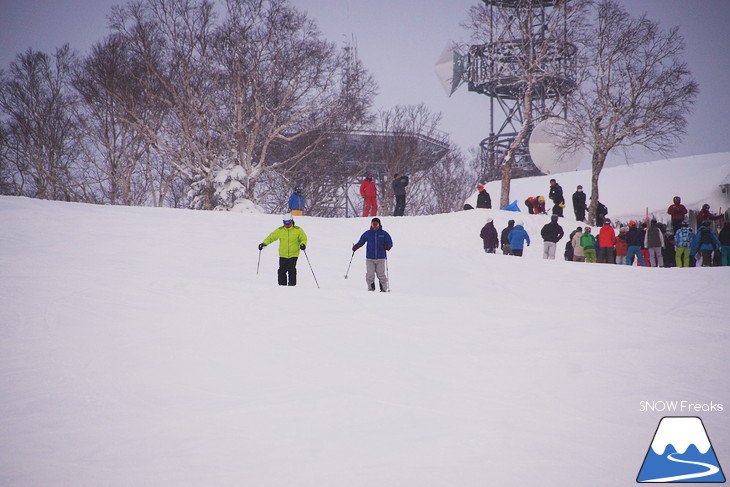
point(681, 452)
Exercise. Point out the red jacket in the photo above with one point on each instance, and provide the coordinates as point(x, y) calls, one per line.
point(368, 189)
point(706, 215)
point(622, 246)
point(677, 211)
point(607, 236)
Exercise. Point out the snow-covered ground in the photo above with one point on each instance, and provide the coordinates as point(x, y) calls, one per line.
point(139, 347)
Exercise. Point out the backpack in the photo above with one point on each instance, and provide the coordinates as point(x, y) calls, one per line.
point(706, 237)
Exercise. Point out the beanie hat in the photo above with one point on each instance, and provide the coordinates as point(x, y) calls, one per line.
point(554, 218)
point(375, 220)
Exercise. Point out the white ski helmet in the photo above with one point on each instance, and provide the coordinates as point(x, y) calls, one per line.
point(286, 217)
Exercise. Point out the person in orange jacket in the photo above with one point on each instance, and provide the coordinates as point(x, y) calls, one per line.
point(606, 243)
point(369, 193)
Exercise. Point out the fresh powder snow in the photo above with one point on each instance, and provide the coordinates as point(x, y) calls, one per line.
point(139, 347)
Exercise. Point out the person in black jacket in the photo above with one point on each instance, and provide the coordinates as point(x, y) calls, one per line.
point(506, 247)
point(551, 234)
point(556, 195)
point(724, 239)
point(635, 239)
point(483, 198)
point(489, 236)
point(601, 212)
point(399, 191)
point(579, 204)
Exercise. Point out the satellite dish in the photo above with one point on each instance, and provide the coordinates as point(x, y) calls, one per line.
point(545, 151)
point(449, 68)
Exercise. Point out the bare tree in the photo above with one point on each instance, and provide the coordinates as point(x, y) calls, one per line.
point(412, 140)
point(450, 182)
point(106, 81)
point(284, 86)
point(531, 40)
point(635, 90)
point(40, 134)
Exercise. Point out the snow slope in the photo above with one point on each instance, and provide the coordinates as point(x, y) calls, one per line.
point(138, 347)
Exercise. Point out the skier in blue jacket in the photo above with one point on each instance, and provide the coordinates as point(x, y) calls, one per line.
point(296, 202)
point(378, 242)
point(517, 238)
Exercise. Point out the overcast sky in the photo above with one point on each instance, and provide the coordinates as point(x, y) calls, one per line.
point(399, 41)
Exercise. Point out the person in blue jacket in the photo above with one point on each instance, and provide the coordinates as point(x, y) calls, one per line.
point(296, 202)
point(517, 238)
point(378, 242)
point(705, 242)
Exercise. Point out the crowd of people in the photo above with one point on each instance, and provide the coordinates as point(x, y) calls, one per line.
point(648, 243)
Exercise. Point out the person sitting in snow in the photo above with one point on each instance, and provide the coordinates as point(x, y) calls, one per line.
point(517, 238)
point(489, 237)
point(291, 239)
point(378, 243)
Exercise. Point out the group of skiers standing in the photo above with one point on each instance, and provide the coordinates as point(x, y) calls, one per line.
point(649, 244)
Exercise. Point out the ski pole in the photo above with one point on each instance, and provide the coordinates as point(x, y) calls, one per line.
point(348, 265)
point(310, 268)
point(258, 263)
point(387, 273)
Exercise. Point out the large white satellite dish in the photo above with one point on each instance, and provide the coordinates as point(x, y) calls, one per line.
point(545, 151)
point(449, 68)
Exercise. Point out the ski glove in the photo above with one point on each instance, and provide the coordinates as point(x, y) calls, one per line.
point(261, 246)
point(303, 246)
point(355, 247)
point(386, 247)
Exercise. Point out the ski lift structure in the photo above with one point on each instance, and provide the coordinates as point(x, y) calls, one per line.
point(496, 69)
point(350, 155)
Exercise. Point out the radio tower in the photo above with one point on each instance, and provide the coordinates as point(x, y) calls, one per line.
point(527, 49)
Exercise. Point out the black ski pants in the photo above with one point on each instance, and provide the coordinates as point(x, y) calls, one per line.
point(400, 205)
point(288, 267)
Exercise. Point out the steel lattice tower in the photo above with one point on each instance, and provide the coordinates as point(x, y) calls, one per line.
point(497, 68)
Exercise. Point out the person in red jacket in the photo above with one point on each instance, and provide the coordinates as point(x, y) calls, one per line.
point(369, 193)
point(607, 243)
point(677, 211)
point(705, 215)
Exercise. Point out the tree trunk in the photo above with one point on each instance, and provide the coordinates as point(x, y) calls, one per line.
point(597, 161)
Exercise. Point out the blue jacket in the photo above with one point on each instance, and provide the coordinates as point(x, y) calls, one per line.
point(683, 237)
point(376, 241)
point(697, 244)
point(517, 237)
point(296, 201)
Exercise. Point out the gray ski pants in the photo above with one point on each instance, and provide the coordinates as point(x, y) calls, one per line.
point(376, 266)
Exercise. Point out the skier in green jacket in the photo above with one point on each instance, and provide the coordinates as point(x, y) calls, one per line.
point(291, 239)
